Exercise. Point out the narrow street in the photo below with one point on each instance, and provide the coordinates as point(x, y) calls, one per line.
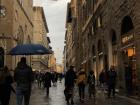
point(57, 98)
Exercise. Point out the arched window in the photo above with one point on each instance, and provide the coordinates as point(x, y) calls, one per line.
point(127, 25)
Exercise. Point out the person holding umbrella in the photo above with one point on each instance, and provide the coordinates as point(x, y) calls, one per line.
point(23, 76)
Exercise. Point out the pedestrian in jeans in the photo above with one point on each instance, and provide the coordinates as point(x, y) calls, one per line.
point(47, 82)
point(23, 76)
point(112, 75)
point(69, 84)
point(91, 84)
point(81, 81)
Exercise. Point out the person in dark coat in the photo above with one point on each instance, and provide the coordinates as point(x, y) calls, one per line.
point(5, 86)
point(70, 82)
point(128, 79)
point(91, 84)
point(23, 76)
point(112, 75)
point(102, 77)
point(47, 82)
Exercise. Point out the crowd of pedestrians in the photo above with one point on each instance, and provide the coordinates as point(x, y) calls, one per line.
point(23, 76)
point(84, 78)
point(40, 77)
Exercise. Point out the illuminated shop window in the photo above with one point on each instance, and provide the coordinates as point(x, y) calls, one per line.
point(131, 52)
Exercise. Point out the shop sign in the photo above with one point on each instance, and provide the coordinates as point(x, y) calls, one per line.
point(127, 38)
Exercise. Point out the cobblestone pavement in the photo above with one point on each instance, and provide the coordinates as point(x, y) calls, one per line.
point(56, 97)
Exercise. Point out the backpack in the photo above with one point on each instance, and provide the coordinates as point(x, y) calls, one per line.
point(81, 79)
point(91, 79)
point(23, 78)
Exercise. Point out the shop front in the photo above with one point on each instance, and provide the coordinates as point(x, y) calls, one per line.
point(129, 61)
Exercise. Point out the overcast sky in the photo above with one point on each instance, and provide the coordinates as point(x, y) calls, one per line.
point(55, 11)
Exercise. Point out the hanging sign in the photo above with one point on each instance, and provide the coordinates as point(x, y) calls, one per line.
point(127, 38)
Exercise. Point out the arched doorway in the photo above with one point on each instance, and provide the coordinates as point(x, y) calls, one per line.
point(128, 53)
point(127, 25)
point(100, 55)
point(1, 57)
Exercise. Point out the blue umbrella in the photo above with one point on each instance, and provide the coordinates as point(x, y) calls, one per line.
point(29, 49)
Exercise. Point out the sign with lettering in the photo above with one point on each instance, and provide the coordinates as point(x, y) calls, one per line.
point(127, 38)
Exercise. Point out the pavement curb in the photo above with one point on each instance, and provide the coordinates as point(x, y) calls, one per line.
point(130, 99)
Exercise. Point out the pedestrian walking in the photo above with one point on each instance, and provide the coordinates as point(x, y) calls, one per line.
point(112, 75)
point(81, 82)
point(2, 85)
point(47, 82)
point(102, 78)
point(39, 79)
point(5, 86)
point(8, 80)
point(23, 76)
point(55, 78)
point(60, 77)
point(91, 84)
point(128, 79)
point(69, 84)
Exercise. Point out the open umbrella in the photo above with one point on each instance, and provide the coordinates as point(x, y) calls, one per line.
point(29, 49)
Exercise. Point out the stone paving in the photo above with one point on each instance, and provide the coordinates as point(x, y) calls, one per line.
point(56, 97)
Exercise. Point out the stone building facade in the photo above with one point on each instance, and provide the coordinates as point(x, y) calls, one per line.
point(40, 30)
point(68, 37)
point(52, 63)
point(120, 31)
point(16, 27)
point(108, 34)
